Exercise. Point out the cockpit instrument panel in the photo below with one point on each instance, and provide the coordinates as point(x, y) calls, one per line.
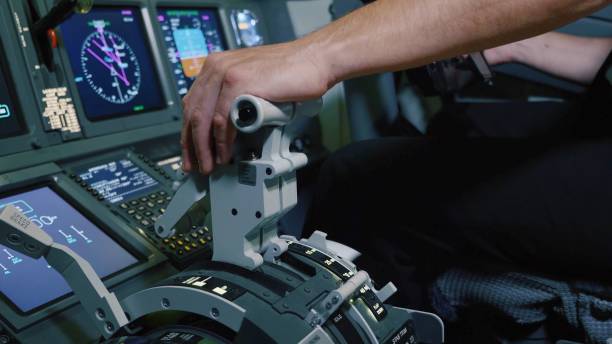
point(11, 123)
point(118, 180)
point(112, 63)
point(190, 35)
point(28, 283)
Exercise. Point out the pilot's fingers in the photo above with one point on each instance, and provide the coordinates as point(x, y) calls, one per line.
point(188, 157)
point(201, 140)
point(225, 133)
point(223, 130)
point(201, 119)
point(189, 161)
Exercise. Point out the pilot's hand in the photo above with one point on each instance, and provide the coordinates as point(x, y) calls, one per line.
point(282, 72)
point(502, 54)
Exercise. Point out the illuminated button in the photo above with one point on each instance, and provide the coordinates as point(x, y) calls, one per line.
point(202, 241)
point(180, 252)
point(173, 237)
point(201, 231)
point(142, 208)
point(131, 212)
point(208, 237)
point(148, 213)
point(168, 198)
point(194, 245)
point(194, 235)
point(162, 193)
point(153, 196)
point(162, 210)
point(187, 248)
point(166, 241)
point(144, 199)
point(181, 235)
point(145, 223)
point(172, 246)
point(160, 201)
point(123, 206)
point(180, 242)
point(138, 217)
point(134, 202)
point(187, 239)
point(150, 204)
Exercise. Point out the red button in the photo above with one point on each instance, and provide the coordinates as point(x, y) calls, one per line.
point(52, 35)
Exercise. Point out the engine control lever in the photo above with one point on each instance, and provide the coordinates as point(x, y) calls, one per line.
point(248, 196)
point(17, 232)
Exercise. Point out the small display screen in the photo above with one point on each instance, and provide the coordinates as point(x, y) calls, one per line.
point(118, 180)
point(112, 63)
point(190, 35)
point(29, 283)
point(10, 122)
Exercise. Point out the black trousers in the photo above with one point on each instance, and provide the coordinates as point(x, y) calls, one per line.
point(417, 206)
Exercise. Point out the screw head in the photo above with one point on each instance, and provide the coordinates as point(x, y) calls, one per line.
point(165, 303)
point(100, 314)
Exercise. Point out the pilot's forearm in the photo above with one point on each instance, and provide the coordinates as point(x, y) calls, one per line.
point(571, 57)
point(397, 34)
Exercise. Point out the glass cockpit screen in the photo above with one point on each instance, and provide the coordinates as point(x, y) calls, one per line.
point(112, 63)
point(118, 180)
point(190, 35)
point(10, 122)
point(29, 283)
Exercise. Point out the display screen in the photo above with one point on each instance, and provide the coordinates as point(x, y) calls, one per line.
point(29, 283)
point(118, 180)
point(10, 122)
point(112, 63)
point(190, 35)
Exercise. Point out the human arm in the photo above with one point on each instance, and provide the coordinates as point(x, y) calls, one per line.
point(571, 57)
point(383, 36)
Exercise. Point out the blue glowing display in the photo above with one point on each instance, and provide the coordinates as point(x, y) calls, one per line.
point(118, 180)
point(190, 36)
point(30, 283)
point(112, 63)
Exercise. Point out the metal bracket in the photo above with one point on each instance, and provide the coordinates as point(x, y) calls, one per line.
point(191, 191)
point(322, 311)
point(20, 234)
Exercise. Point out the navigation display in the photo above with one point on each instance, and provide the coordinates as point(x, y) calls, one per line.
point(10, 122)
point(30, 283)
point(190, 35)
point(118, 180)
point(112, 63)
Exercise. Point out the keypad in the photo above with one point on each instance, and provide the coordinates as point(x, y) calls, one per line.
point(145, 210)
point(184, 244)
